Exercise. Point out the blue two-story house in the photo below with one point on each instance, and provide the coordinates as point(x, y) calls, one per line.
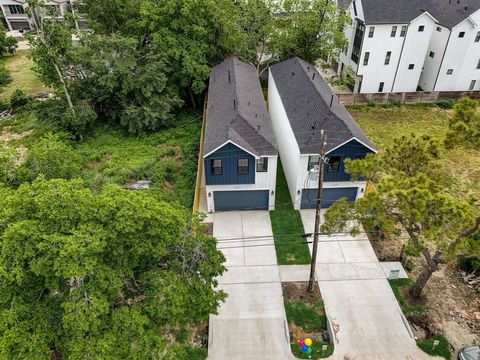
point(240, 153)
point(301, 105)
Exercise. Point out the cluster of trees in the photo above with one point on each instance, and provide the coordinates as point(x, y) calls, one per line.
point(8, 45)
point(411, 195)
point(465, 124)
point(142, 60)
point(107, 275)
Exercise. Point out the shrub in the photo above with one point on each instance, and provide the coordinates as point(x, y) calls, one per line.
point(393, 103)
point(371, 103)
point(19, 99)
point(5, 77)
point(445, 103)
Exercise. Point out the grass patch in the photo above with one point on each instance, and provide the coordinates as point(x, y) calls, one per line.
point(307, 318)
point(442, 349)
point(459, 168)
point(316, 351)
point(397, 286)
point(23, 76)
point(290, 249)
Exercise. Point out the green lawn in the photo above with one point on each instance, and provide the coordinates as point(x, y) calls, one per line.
point(287, 223)
point(397, 285)
point(459, 167)
point(307, 318)
point(442, 349)
point(23, 76)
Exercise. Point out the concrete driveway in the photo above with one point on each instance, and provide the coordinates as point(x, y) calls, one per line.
point(366, 318)
point(251, 324)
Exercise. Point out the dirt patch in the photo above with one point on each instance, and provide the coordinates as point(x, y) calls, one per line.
point(6, 135)
point(298, 291)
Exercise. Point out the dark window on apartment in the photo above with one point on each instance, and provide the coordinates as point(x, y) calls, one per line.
point(461, 34)
point(421, 28)
point(242, 166)
point(216, 166)
point(357, 42)
point(365, 58)
point(477, 38)
point(472, 85)
point(411, 66)
point(432, 54)
point(354, 8)
point(478, 64)
point(262, 164)
point(403, 31)
point(313, 160)
point(380, 87)
point(387, 57)
point(394, 31)
point(439, 29)
point(449, 71)
point(16, 9)
point(371, 31)
point(334, 163)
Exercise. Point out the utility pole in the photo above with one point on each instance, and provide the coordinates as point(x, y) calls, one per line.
point(321, 166)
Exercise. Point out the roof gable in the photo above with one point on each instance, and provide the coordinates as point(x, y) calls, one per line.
point(236, 110)
point(311, 106)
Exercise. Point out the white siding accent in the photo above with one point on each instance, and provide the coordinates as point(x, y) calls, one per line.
point(263, 181)
point(376, 71)
point(438, 43)
point(286, 141)
point(414, 52)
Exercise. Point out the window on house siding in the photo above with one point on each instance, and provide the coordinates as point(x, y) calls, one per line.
point(472, 85)
point(403, 31)
point(432, 54)
point(411, 66)
point(461, 34)
point(313, 161)
point(439, 29)
point(216, 166)
point(394, 31)
point(449, 71)
point(262, 164)
point(334, 164)
point(242, 166)
point(357, 42)
point(477, 38)
point(365, 58)
point(371, 31)
point(380, 87)
point(478, 64)
point(387, 57)
point(16, 9)
point(421, 28)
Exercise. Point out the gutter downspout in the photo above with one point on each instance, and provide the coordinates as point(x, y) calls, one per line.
point(441, 62)
point(400, 58)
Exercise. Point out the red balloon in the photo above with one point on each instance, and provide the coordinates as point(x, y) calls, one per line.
point(300, 343)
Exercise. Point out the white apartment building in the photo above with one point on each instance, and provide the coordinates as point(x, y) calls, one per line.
point(413, 45)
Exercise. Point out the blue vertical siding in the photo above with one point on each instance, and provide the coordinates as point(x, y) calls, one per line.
point(229, 154)
point(349, 150)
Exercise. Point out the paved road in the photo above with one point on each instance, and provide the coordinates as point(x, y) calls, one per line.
point(359, 301)
point(251, 324)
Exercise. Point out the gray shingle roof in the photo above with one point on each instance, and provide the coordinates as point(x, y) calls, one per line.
point(306, 98)
point(448, 12)
point(343, 4)
point(236, 110)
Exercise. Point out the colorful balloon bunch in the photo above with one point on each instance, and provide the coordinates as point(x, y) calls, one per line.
point(305, 346)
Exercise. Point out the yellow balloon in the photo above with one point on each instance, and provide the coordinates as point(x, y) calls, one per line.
point(308, 342)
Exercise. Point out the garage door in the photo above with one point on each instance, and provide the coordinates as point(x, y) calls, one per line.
point(240, 200)
point(20, 25)
point(329, 196)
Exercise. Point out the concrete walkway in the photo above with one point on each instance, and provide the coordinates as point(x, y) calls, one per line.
point(366, 318)
point(251, 324)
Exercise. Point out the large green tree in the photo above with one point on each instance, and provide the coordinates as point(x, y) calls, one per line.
point(408, 195)
point(464, 124)
point(86, 276)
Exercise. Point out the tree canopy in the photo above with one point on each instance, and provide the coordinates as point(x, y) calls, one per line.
point(464, 124)
point(86, 276)
point(409, 196)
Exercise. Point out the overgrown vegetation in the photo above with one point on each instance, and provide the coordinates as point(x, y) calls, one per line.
point(400, 285)
point(287, 226)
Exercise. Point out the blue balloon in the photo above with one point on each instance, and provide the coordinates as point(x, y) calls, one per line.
point(304, 348)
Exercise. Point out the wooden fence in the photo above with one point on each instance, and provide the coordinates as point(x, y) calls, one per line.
point(405, 97)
